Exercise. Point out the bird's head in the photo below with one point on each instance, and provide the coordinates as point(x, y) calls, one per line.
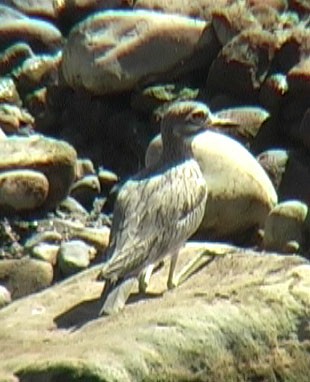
point(183, 120)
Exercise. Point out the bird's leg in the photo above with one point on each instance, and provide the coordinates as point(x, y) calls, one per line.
point(144, 278)
point(173, 262)
point(203, 258)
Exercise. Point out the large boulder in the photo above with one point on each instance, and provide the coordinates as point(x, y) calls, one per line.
point(244, 317)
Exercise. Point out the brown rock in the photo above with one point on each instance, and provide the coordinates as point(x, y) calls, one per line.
point(22, 190)
point(198, 8)
point(26, 276)
point(242, 65)
point(55, 159)
point(230, 21)
point(13, 118)
point(113, 50)
point(41, 36)
point(285, 227)
point(244, 317)
point(40, 8)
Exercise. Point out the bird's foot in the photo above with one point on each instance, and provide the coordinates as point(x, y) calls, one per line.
point(199, 261)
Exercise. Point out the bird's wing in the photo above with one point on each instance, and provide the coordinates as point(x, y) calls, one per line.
point(150, 211)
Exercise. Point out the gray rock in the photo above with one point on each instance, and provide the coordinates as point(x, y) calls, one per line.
point(74, 256)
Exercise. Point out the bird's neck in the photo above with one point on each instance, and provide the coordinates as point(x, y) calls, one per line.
point(176, 151)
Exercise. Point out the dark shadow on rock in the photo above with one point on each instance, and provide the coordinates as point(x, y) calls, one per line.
point(86, 311)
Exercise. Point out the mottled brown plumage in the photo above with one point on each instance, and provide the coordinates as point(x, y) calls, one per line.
point(160, 208)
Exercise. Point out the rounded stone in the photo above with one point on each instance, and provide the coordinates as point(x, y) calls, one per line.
point(25, 276)
point(55, 159)
point(285, 227)
point(22, 190)
point(74, 256)
point(45, 251)
point(240, 194)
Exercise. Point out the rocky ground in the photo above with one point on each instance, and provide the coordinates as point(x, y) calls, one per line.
point(243, 317)
point(83, 88)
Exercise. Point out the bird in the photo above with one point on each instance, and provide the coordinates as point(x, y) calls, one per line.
point(159, 208)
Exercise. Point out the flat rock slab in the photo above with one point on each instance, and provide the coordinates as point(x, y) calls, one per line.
point(245, 316)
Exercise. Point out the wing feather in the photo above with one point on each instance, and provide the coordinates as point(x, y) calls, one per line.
point(151, 214)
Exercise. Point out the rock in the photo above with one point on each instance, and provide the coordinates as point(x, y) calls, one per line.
point(294, 48)
point(250, 122)
point(8, 91)
point(45, 236)
point(45, 251)
point(55, 159)
point(95, 237)
point(242, 65)
point(106, 53)
point(37, 72)
point(84, 167)
point(86, 189)
point(240, 194)
point(40, 8)
point(69, 12)
point(272, 92)
point(155, 96)
point(274, 163)
point(42, 36)
point(25, 276)
point(72, 206)
point(244, 317)
point(106, 178)
point(279, 5)
point(230, 21)
point(290, 170)
point(13, 118)
point(285, 227)
point(5, 296)
point(13, 56)
point(200, 8)
point(22, 190)
point(74, 256)
point(300, 6)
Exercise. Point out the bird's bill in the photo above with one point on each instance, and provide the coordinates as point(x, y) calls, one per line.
point(220, 123)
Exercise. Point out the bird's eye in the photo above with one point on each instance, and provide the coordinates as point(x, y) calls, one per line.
point(198, 115)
